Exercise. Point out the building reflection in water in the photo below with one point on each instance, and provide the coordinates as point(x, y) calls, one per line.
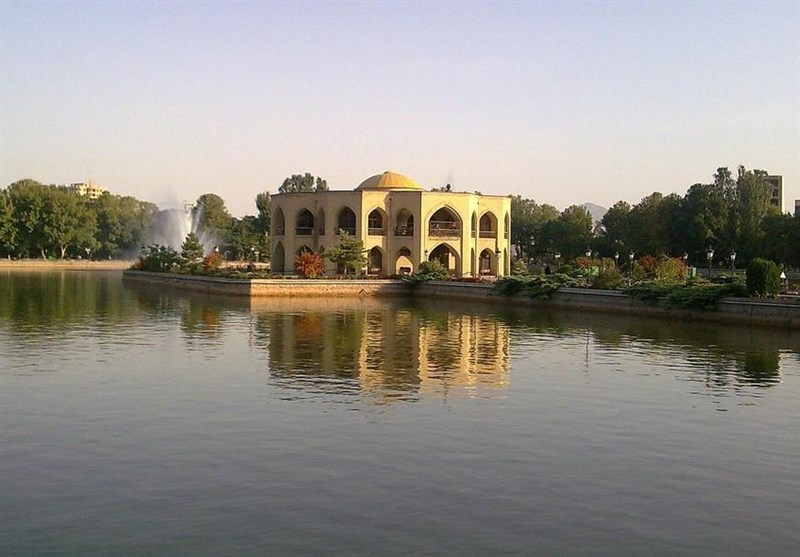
point(389, 351)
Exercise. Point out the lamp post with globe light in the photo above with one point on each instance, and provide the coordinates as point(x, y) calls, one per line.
point(733, 261)
point(710, 257)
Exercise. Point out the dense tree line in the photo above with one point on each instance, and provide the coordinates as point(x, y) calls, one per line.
point(728, 215)
point(45, 221)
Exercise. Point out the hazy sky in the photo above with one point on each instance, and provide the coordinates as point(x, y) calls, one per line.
point(561, 102)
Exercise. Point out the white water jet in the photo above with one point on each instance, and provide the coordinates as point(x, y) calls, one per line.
point(171, 226)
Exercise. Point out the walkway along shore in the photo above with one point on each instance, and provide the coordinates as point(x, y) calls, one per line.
point(783, 313)
point(66, 264)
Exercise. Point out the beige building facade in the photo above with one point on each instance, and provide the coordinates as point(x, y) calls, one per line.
point(400, 223)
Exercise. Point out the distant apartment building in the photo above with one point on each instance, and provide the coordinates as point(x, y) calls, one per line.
point(776, 186)
point(88, 189)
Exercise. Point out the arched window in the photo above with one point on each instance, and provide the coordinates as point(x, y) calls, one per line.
point(279, 223)
point(444, 223)
point(487, 263)
point(375, 223)
point(506, 225)
point(405, 223)
point(347, 221)
point(488, 226)
point(445, 255)
point(375, 261)
point(305, 223)
point(278, 260)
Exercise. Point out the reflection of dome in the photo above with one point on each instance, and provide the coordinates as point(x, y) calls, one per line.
point(389, 181)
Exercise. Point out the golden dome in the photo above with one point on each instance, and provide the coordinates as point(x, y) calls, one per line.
point(388, 181)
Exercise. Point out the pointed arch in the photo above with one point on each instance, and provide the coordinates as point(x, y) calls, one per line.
point(376, 222)
point(404, 223)
point(487, 225)
point(304, 223)
point(403, 264)
point(474, 225)
point(375, 261)
point(278, 259)
point(303, 249)
point(346, 221)
point(487, 262)
point(278, 223)
point(447, 255)
point(444, 222)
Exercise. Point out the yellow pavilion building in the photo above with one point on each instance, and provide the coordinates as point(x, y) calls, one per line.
point(400, 223)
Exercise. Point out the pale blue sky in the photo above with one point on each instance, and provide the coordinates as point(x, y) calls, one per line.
point(559, 102)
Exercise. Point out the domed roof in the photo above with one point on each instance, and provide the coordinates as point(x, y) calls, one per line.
point(388, 181)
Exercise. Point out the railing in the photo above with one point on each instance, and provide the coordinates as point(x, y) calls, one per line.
point(404, 231)
point(488, 234)
point(303, 231)
point(376, 231)
point(444, 229)
point(351, 230)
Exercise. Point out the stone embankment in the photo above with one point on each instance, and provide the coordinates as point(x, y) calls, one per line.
point(780, 313)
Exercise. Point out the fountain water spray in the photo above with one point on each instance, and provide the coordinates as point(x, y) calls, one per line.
point(171, 226)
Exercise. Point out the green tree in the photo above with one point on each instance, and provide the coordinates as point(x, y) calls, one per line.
point(264, 212)
point(245, 237)
point(121, 223)
point(28, 198)
point(753, 205)
point(299, 183)
point(527, 221)
point(8, 232)
point(69, 221)
point(780, 238)
point(705, 219)
point(348, 255)
point(191, 248)
point(616, 226)
point(211, 215)
point(570, 234)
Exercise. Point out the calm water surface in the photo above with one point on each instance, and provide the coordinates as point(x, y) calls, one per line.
point(144, 421)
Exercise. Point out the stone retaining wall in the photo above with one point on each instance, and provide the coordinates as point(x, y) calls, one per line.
point(780, 313)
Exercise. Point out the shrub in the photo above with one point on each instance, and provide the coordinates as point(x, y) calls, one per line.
point(648, 264)
point(763, 278)
point(309, 265)
point(671, 270)
point(434, 270)
point(609, 278)
point(212, 261)
point(157, 259)
point(520, 268)
point(536, 286)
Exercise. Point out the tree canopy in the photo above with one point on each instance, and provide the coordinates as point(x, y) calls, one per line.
point(299, 183)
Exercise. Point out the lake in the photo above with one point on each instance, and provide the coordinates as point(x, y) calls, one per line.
point(141, 420)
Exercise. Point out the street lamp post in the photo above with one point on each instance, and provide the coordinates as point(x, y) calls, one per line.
point(710, 256)
point(558, 259)
point(616, 259)
point(733, 261)
point(588, 252)
point(630, 261)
